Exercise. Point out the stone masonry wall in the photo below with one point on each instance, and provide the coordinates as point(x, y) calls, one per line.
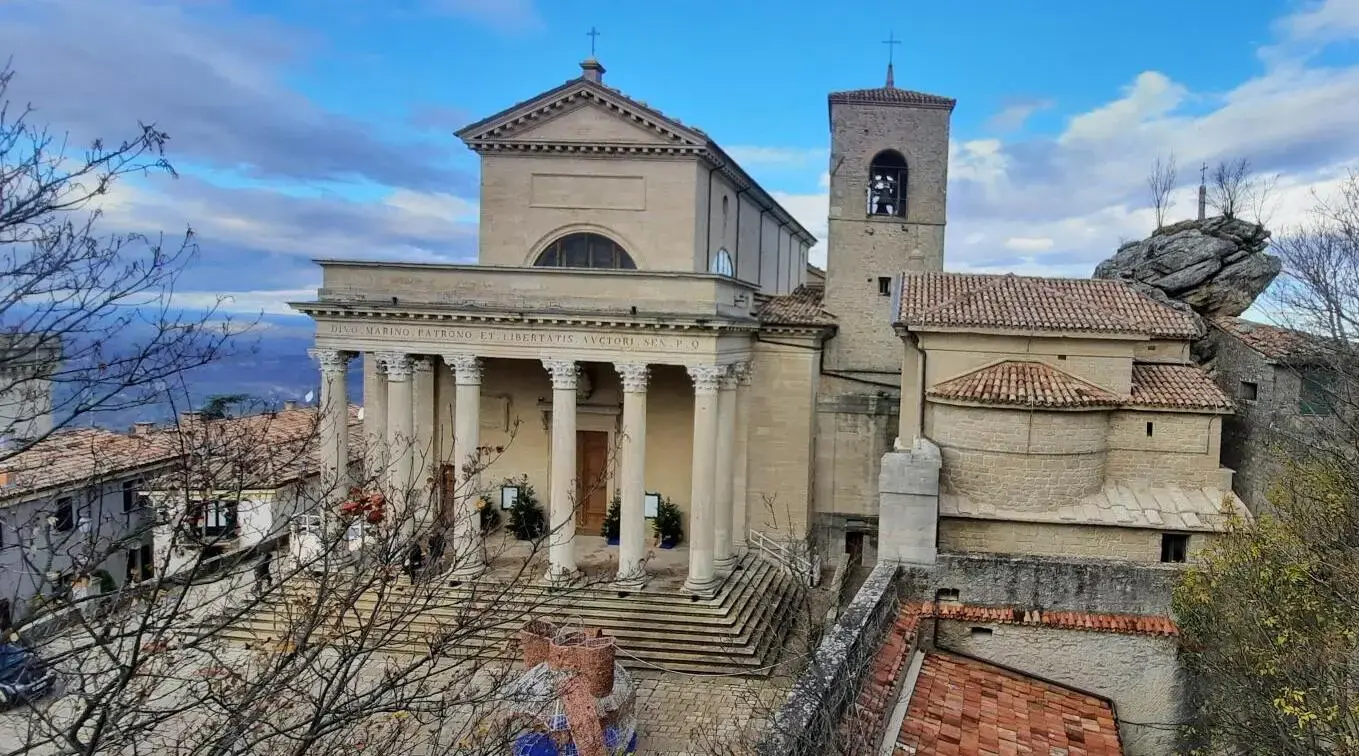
point(864, 248)
point(1181, 448)
point(1050, 539)
point(1020, 459)
point(1141, 674)
point(782, 421)
point(853, 431)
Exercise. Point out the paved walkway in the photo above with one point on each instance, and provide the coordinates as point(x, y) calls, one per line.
point(680, 715)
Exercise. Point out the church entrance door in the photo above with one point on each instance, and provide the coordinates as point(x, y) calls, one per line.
point(592, 481)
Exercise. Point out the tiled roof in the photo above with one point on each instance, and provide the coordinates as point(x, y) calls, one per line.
point(1024, 384)
point(260, 450)
point(892, 96)
point(1176, 387)
point(966, 707)
point(1037, 304)
point(1128, 624)
point(866, 715)
point(1273, 342)
point(801, 307)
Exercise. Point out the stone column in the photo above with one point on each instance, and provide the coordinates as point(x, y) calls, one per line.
point(422, 421)
point(724, 559)
point(334, 422)
point(562, 499)
point(740, 480)
point(400, 441)
point(910, 421)
point(375, 419)
point(632, 515)
point(469, 554)
point(702, 578)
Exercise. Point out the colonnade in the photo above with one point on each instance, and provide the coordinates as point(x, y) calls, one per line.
point(399, 404)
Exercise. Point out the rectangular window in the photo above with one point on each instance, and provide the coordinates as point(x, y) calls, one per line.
point(216, 518)
point(1174, 547)
point(64, 515)
point(976, 631)
point(884, 286)
point(1150, 428)
point(1249, 391)
point(148, 562)
point(1316, 392)
point(129, 496)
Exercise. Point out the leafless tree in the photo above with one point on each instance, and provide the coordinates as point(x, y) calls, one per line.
point(1161, 182)
point(86, 318)
point(1263, 201)
point(1229, 185)
point(357, 641)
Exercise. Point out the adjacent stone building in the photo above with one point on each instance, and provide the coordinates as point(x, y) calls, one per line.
point(1283, 385)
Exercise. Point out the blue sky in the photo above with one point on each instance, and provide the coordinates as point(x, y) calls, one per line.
point(321, 128)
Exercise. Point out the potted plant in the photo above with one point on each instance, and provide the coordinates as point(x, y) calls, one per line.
point(526, 516)
point(613, 520)
point(667, 524)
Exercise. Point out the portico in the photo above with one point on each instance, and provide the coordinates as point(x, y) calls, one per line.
point(528, 398)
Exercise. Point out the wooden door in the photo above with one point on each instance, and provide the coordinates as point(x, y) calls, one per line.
point(592, 481)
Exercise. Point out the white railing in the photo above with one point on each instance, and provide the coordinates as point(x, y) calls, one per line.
point(781, 555)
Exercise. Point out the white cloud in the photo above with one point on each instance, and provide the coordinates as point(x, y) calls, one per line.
point(787, 157)
point(1028, 244)
point(268, 302)
point(1016, 112)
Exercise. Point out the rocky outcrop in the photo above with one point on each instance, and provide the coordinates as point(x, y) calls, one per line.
point(1216, 266)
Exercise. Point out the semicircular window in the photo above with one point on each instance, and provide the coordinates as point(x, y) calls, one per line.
point(585, 250)
point(722, 264)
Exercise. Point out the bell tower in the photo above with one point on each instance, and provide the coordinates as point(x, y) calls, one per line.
point(888, 183)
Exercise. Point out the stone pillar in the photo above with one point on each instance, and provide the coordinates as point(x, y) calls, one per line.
point(632, 514)
point(422, 421)
point(469, 554)
point(908, 506)
point(910, 425)
point(724, 559)
point(740, 480)
point(375, 419)
point(400, 440)
point(334, 422)
point(562, 499)
point(702, 578)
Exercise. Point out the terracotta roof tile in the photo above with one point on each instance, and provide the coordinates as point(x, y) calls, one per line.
point(261, 450)
point(1037, 304)
point(892, 95)
point(1130, 624)
point(1273, 342)
point(965, 707)
point(801, 307)
point(1024, 384)
point(1176, 387)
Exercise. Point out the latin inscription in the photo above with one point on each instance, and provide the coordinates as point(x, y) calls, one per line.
point(472, 336)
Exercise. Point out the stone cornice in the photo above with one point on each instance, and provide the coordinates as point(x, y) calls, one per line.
point(359, 311)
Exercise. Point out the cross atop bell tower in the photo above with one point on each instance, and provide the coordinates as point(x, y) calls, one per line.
point(891, 43)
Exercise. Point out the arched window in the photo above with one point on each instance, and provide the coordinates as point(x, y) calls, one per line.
point(585, 250)
point(722, 264)
point(887, 184)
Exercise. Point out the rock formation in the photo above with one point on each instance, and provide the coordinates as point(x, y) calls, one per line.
point(1216, 266)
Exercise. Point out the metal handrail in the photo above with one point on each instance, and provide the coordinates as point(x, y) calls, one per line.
point(808, 570)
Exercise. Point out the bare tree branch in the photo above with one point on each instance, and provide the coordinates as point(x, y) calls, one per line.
point(1161, 182)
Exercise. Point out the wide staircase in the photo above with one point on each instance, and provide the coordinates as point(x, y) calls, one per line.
point(739, 631)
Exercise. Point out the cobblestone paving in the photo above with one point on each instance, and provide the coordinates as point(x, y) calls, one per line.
point(682, 715)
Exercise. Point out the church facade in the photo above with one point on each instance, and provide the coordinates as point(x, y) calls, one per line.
point(642, 323)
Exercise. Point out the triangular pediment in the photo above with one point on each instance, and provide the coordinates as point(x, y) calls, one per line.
point(581, 112)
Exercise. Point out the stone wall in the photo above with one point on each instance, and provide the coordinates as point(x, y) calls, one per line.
point(1050, 583)
point(1104, 362)
point(808, 719)
point(1027, 460)
point(1141, 674)
point(782, 423)
point(1094, 541)
point(864, 248)
point(1166, 447)
point(853, 431)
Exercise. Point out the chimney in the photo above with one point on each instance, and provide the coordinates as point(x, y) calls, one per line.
point(142, 427)
point(290, 404)
point(190, 417)
point(592, 70)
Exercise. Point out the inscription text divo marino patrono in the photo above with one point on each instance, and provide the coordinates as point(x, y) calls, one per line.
point(473, 336)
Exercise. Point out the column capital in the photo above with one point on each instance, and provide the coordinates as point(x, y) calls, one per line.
point(398, 365)
point(422, 364)
point(731, 378)
point(634, 375)
point(466, 368)
point(706, 377)
point(333, 361)
point(742, 372)
point(563, 372)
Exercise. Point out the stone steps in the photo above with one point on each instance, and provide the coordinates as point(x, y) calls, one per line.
point(737, 631)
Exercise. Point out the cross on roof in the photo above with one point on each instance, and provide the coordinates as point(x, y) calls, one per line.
point(890, 42)
point(593, 34)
